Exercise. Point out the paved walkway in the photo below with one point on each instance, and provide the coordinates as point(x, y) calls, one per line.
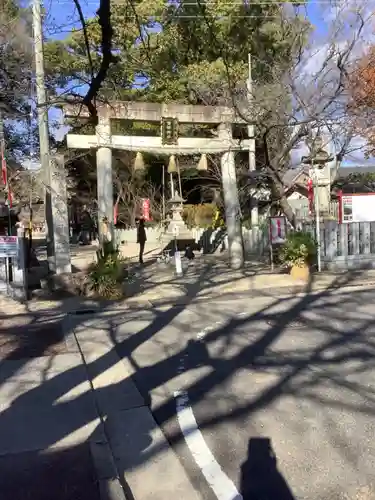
point(49, 427)
point(154, 285)
point(144, 459)
point(72, 423)
point(204, 279)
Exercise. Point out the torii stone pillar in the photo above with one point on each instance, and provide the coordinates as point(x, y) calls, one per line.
point(104, 180)
point(58, 249)
point(231, 200)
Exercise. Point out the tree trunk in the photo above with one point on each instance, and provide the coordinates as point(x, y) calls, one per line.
point(287, 209)
point(277, 192)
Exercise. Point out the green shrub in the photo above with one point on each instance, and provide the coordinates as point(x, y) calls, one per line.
point(199, 215)
point(106, 276)
point(188, 215)
point(299, 249)
point(205, 214)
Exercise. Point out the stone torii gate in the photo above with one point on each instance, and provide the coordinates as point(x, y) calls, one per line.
point(103, 141)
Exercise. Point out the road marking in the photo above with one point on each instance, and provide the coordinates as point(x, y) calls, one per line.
point(219, 482)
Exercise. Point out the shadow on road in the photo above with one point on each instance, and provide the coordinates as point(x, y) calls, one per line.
point(260, 477)
point(49, 475)
point(337, 354)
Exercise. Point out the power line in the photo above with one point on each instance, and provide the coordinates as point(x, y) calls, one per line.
point(231, 4)
point(264, 3)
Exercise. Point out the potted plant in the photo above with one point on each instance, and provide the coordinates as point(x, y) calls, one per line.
point(299, 253)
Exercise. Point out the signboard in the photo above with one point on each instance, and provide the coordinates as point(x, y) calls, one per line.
point(8, 246)
point(347, 209)
point(146, 209)
point(277, 230)
point(357, 207)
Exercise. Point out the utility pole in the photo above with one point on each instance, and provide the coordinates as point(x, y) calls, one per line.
point(251, 134)
point(9, 268)
point(43, 122)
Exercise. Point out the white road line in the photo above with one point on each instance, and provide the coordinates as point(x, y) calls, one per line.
point(219, 482)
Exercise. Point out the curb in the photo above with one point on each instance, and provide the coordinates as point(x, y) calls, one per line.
point(271, 292)
point(110, 485)
point(184, 300)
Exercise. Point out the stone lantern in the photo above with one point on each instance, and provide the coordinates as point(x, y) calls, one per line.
point(176, 226)
point(320, 173)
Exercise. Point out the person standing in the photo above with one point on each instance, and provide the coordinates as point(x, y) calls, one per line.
point(141, 238)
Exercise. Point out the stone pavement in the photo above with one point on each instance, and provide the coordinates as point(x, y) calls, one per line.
point(76, 430)
point(144, 459)
point(52, 441)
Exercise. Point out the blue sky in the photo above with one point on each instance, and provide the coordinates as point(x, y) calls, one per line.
point(62, 16)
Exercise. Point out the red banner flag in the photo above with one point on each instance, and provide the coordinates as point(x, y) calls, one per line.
point(115, 213)
point(4, 176)
point(3, 167)
point(146, 209)
point(310, 195)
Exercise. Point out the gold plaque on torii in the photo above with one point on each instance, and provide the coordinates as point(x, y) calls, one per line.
point(169, 131)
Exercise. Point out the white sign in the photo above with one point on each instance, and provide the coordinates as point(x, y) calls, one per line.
point(277, 230)
point(358, 207)
point(8, 246)
point(177, 259)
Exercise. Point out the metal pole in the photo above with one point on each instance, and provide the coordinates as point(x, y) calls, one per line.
point(8, 266)
point(43, 121)
point(163, 184)
point(40, 88)
point(172, 185)
point(30, 228)
point(2, 148)
point(30, 220)
point(317, 217)
point(251, 133)
point(179, 177)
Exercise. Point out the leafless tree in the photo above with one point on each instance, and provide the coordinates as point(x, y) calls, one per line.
point(306, 97)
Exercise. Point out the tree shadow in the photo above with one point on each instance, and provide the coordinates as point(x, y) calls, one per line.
point(73, 406)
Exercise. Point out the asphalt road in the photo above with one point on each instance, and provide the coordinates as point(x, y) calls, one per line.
point(282, 391)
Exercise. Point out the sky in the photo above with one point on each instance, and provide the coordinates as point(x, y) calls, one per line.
point(62, 16)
